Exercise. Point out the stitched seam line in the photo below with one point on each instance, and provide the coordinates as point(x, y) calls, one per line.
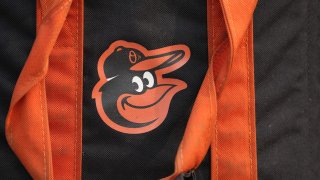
point(212, 78)
point(42, 126)
point(229, 24)
point(230, 34)
point(56, 10)
point(213, 117)
point(42, 121)
point(231, 18)
point(214, 56)
point(249, 102)
point(216, 144)
point(216, 136)
point(216, 121)
point(32, 80)
point(76, 93)
point(221, 48)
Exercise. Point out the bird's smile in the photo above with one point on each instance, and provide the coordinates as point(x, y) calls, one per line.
point(132, 95)
point(141, 101)
point(146, 106)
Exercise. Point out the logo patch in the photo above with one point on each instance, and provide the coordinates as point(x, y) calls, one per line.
point(132, 96)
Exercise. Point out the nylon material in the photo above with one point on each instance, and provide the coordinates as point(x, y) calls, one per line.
point(17, 33)
point(37, 148)
point(287, 86)
point(150, 155)
point(219, 40)
point(198, 134)
point(62, 86)
point(70, 28)
point(221, 66)
point(238, 18)
point(34, 70)
point(29, 83)
point(235, 160)
point(233, 155)
point(219, 32)
point(61, 110)
point(62, 91)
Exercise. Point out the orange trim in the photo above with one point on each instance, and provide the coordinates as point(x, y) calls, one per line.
point(236, 120)
point(32, 117)
point(199, 131)
point(237, 17)
point(234, 155)
point(232, 132)
point(219, 36)
point(202, 121)
point(45, 146)
point(78, 135)
point(252, 111)
point(64, 96)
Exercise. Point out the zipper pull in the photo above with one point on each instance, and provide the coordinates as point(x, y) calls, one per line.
point(191, 175)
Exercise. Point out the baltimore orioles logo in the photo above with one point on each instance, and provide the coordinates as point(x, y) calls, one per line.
point(132, 95)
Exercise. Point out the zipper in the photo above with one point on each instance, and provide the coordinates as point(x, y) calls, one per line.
point(190, 175)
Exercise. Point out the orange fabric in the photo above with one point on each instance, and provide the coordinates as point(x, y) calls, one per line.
point(231, 133)
point(234, 143)
point(64, 94)
point(31, 128)
point(43, 126)
point(199, 132)
point(233, 149)
point(159, 97)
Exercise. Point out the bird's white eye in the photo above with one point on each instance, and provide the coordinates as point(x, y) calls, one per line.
point(137, 80)
point(148, 76)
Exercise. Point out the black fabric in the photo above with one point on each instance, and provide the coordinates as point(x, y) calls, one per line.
point(154, 24)
point(287, 72)
point(17, 32)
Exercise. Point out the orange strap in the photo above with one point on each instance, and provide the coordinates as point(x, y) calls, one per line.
point(223, 115)
point(199, 131)
point(64, 96)
point(233, 149)
point(50, 87)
